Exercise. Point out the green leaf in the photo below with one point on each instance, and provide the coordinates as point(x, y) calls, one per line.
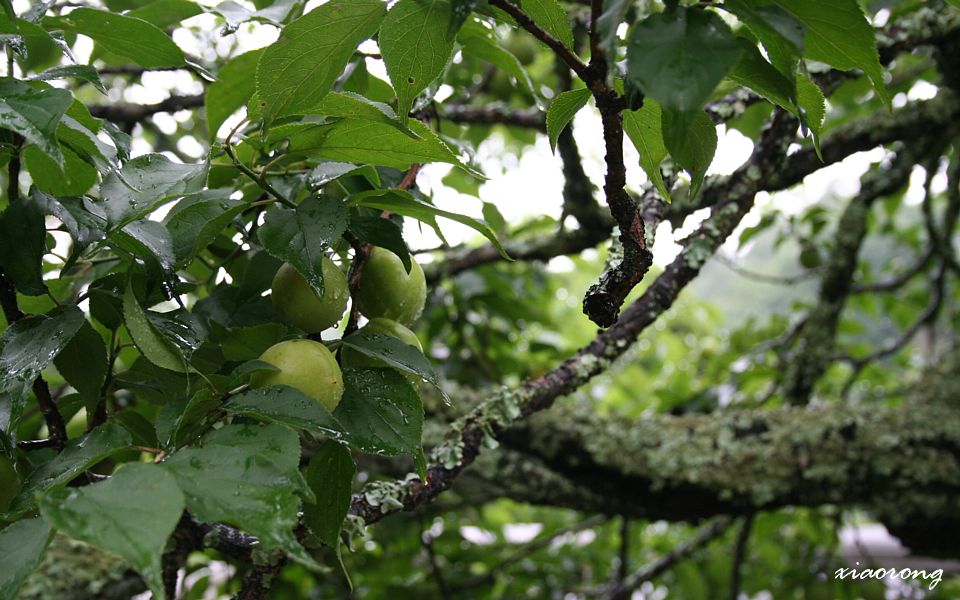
point(232, 89)
point(692, 144)
point(131, 515)
point(416, 43)
point(148, 240)
point(22, 545)
point(381, 411)
point(148, 340)
point(22, 245)
point(84, 226)
point(330, 476)
point(84, 72)
point(28, 346)
point(814, 106)
point(754, 72)
point(839, 34)
point(385, 233)
point(146, 182)
point(477, 41)
point(34, 113)
point(79, 455)
point(614, 12)
point(83, 363)
point(287, 406)
point(644, 127)
point(129, 37)
point(371, 142)
point(302, 236)
point(549, 15)
point(347, 105)
point(678, 58)
point(75, 178)
point(562, 110)
point(196, 220)
point(780, 33)
point(298, 70)
point(393, 352)
point(246, 476)
point(404, 203)
point(164, 13)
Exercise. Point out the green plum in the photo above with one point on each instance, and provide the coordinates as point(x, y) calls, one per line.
point(300, 306)
point(387, 290)
point(305, 365)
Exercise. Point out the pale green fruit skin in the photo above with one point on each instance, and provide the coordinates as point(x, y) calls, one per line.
point(299, 305)
point(386, 290)
point(305, 365)
point(352, 358)
point(10, 483)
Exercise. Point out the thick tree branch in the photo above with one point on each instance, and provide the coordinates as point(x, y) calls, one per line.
point(511, 406)
point(904, 457)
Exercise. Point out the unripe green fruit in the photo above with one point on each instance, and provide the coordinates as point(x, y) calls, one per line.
point(353, 358)
point(10, 483)
point(299, 305)
point(305, 365)
point(387, 290)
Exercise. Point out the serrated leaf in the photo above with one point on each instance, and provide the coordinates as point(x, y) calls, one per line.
point(404, 203)
point(371, 142)
point(692, 142)
point(299, 69)
point(549, 15)
point(145, 183)
point(416, 43)
point(562, 110)
point(22, 545)
point(393, 352)
point(303, 235)
point(614, 12)
point(84, 72)
point(330, 476)
point(148, 340)
point(839, 34)
point(196, 220)
point(287, 406)
point(131, 515)
point(77, 456)
point(644, 127)
point(347, 105)
point(75, 178)
point(83, 363)
point(34, 114)
point(679, 57)
point(246, 476)
point(164, 13)
point(27, 347)
point(754, 72)
point(381, 411)
point(476, 42)
point(381, 232)
point(148, 240)
point(22, 245)
point(232, 89)
point(811, 101)
point(780, 33)
point(129, 37)
point(84, 226)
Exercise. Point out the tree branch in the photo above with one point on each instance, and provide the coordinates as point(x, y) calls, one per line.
point(130, 114)
point(565, 54)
